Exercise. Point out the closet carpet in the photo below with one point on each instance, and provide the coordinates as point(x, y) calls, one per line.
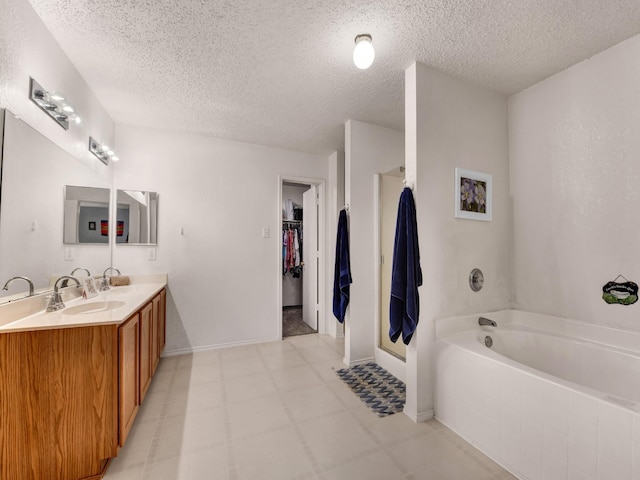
point(292, 323)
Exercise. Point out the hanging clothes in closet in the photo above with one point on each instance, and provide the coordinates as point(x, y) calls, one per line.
point(292, 248)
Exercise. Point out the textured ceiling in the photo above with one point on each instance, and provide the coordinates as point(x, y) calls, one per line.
point(280, 73)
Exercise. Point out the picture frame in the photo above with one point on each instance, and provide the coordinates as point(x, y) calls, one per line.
point(89, 288)
point(92, 225)
point(473, 195)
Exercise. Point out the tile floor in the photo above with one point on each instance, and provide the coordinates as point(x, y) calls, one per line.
point(279, 411)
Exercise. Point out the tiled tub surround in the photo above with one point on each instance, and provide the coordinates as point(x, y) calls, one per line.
point(570, 412)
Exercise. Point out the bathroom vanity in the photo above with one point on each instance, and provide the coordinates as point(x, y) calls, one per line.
point(72, 381)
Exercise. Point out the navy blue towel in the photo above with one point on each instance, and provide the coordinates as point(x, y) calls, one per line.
point(406, 274)
point(342, 272)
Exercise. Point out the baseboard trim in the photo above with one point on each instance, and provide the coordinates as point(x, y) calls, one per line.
point(419, 417)
point(362, 361)
point(205, 348)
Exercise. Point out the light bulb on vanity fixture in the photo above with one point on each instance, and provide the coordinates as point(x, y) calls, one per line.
point(363, 53)
point(53, 104)
point(103, 152)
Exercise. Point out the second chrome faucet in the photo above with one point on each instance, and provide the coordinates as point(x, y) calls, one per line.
point(55, 302)
point(105, 280)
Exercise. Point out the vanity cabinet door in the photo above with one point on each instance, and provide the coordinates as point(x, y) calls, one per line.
point(146, 319)
point(163, 320)
point(155, 334)
point(129, 364)
point(58, 403)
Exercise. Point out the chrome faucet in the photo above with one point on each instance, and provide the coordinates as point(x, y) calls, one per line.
point(105, 283)
point(80, 268)
point(66, 282)
point(28, 280)
point(486, 321)
point(55, 302)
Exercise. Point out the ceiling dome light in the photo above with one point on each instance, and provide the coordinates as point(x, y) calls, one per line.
point(363, 53)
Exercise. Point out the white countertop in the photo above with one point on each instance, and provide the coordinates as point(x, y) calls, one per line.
point(133, 297)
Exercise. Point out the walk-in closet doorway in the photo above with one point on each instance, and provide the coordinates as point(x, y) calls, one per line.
point(301, 270)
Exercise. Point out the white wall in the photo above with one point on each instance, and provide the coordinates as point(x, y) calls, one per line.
point(292, 287)
point(222, 273)
point(28, 49)
point(575, 177)
point(369, 149)
point(335, 203)
point(449, 124)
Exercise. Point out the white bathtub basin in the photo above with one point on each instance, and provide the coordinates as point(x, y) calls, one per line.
point(552, 399)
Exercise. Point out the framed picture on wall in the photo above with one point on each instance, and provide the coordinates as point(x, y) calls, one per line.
point(472, 195)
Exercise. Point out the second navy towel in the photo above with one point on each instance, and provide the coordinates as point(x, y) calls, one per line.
point(406, 274)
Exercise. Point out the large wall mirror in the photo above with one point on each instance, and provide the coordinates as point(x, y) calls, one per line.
point(136, 217)
point(35, 172)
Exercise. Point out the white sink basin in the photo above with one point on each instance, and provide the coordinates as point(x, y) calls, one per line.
point(93, 307)
point(125, 289)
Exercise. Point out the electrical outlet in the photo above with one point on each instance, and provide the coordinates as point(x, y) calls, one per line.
point(69, 254)
point(265, 232)
point(151, 254)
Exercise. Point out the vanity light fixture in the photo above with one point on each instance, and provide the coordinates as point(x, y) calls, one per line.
point(53, 104)
point(363, 53)
point(103, 152)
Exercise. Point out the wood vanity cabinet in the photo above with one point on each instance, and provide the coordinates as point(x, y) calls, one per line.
point(151, 331)
point(129, 375)
point(58, 403)
point(69, 396)
point(162, 334)
point(145, 348)
point(155, 334)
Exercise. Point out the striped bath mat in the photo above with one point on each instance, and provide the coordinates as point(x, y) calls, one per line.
point(378, 389)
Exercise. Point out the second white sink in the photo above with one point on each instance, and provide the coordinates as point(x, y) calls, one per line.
point(93, 307)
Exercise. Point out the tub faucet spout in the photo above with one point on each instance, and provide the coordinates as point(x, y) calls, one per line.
point(486, 321)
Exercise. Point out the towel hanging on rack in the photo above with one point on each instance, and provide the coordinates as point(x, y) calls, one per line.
point(406, 274)
point(342, 271)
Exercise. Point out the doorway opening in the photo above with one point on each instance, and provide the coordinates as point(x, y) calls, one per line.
point(300, 269)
